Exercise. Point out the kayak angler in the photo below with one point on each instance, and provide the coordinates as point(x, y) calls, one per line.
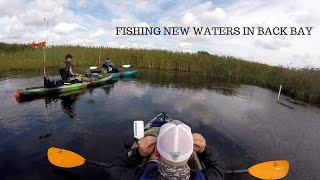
point(111, 68)
point(68, 75)
point(169, 154)
point(166, 156)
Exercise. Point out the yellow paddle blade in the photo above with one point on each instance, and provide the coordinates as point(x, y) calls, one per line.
point(270, 170)
point(64, 158)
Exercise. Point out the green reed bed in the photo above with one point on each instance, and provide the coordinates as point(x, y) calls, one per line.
point(302, 84)
point(183, 80)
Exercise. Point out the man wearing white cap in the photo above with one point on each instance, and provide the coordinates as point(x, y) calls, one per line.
point(169, 154)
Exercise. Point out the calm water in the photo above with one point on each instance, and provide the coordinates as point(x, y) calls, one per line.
point(244, 123)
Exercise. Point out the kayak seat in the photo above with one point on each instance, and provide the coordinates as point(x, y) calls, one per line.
point(152, 132)
point(159, 121)
point(115, 70)
point(50, 84)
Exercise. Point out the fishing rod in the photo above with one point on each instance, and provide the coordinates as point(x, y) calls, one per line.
point(99, 57)
point(44, 51)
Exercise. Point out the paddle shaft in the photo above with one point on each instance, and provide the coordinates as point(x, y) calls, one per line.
point(97, 163)
point(236, 171)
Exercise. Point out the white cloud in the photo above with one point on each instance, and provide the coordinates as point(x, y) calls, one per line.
point(11, 7)
point(35, 12)
point(165, 23)
point(144, 6)
point(305, 18)
point(189, 20)
point(204, 15)
point(130, 44)
point(26, 22)
point(214, 17)
point(303, 60)
point(272, 44)
point(186, 47)
point(255, 13)
point(80, 41)
point(143, 24)
point(128, 9)
point(65, 28)
point(94, 23)
point(81, 3)
point(96, 34)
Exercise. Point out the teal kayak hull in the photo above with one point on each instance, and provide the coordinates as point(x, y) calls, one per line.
point(117, 75)
point(124, 74)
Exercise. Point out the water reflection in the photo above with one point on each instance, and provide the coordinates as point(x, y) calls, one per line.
point(244, 123)
point(68, 100)
point(67, 103)
point(109, 111)
point(66, 174)
point(185, 80)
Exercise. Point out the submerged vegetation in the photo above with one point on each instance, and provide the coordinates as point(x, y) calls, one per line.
point(302, 83)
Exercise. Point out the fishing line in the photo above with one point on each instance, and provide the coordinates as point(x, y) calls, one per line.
point(52, 43)
point(51, 135)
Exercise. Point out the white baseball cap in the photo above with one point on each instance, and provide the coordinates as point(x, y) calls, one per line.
point(175, 141)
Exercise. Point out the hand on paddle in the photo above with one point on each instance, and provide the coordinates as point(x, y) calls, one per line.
point(146, 145)
point(199, 143)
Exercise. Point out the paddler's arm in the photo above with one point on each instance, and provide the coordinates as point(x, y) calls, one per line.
point(134, 157)
point(214, 166)
point(125, 166)
point(71, 71)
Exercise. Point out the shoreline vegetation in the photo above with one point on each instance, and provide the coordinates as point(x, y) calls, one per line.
point(301, 83)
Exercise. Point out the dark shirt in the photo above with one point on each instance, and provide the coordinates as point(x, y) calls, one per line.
point(69, 69)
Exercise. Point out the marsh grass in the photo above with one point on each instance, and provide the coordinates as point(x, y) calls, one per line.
point(302, 83)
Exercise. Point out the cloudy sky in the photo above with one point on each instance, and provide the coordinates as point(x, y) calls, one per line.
point(93, 22)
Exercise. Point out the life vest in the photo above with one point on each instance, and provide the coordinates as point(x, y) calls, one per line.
point(152, 166)
point(199, 175)
point(68, 67)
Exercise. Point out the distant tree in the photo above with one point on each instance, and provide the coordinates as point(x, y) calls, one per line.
point(12, 48)
point(203, 53)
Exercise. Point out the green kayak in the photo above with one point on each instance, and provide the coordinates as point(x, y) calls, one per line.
point(60, 88)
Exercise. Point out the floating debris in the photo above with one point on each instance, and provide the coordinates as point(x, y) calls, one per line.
point(45, 136)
